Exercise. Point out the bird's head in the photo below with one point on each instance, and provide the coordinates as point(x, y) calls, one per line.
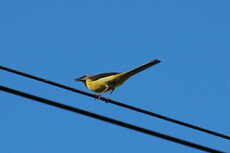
point(84, 77)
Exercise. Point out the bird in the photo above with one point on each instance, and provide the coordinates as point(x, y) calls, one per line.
point(104, 82)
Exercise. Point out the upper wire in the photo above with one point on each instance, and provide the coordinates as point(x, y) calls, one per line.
point(116, 103)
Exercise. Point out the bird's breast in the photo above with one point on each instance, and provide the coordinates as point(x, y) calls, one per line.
point(109, 82)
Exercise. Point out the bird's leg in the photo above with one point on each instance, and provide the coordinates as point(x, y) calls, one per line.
point(99, 97)
point(110, 94)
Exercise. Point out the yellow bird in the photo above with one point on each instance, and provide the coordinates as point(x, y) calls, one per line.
point(104, 82)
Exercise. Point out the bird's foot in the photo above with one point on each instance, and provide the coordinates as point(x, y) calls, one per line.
point(99, 97)
point(107, 100)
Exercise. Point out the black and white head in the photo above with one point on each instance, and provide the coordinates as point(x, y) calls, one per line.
point(84, 77)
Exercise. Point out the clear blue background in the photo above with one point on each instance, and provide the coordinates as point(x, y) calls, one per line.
point(62, 40)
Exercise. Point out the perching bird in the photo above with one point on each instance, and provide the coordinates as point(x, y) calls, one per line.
point(104, 82)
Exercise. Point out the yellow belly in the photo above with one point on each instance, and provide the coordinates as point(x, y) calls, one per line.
point(109, 82)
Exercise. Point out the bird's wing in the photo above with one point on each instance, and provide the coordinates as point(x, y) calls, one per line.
point(102, 75)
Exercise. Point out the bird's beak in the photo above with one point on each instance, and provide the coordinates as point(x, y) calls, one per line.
point(78, 79)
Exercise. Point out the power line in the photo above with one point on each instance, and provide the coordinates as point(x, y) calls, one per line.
point(106, 119)
point(117, 103)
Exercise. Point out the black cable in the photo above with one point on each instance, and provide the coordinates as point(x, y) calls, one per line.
point(106, 119)
point(117, 103)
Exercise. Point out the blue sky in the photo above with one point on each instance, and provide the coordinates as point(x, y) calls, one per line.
point(62, 40)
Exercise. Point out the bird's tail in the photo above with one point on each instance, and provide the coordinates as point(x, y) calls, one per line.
point(142, 67)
